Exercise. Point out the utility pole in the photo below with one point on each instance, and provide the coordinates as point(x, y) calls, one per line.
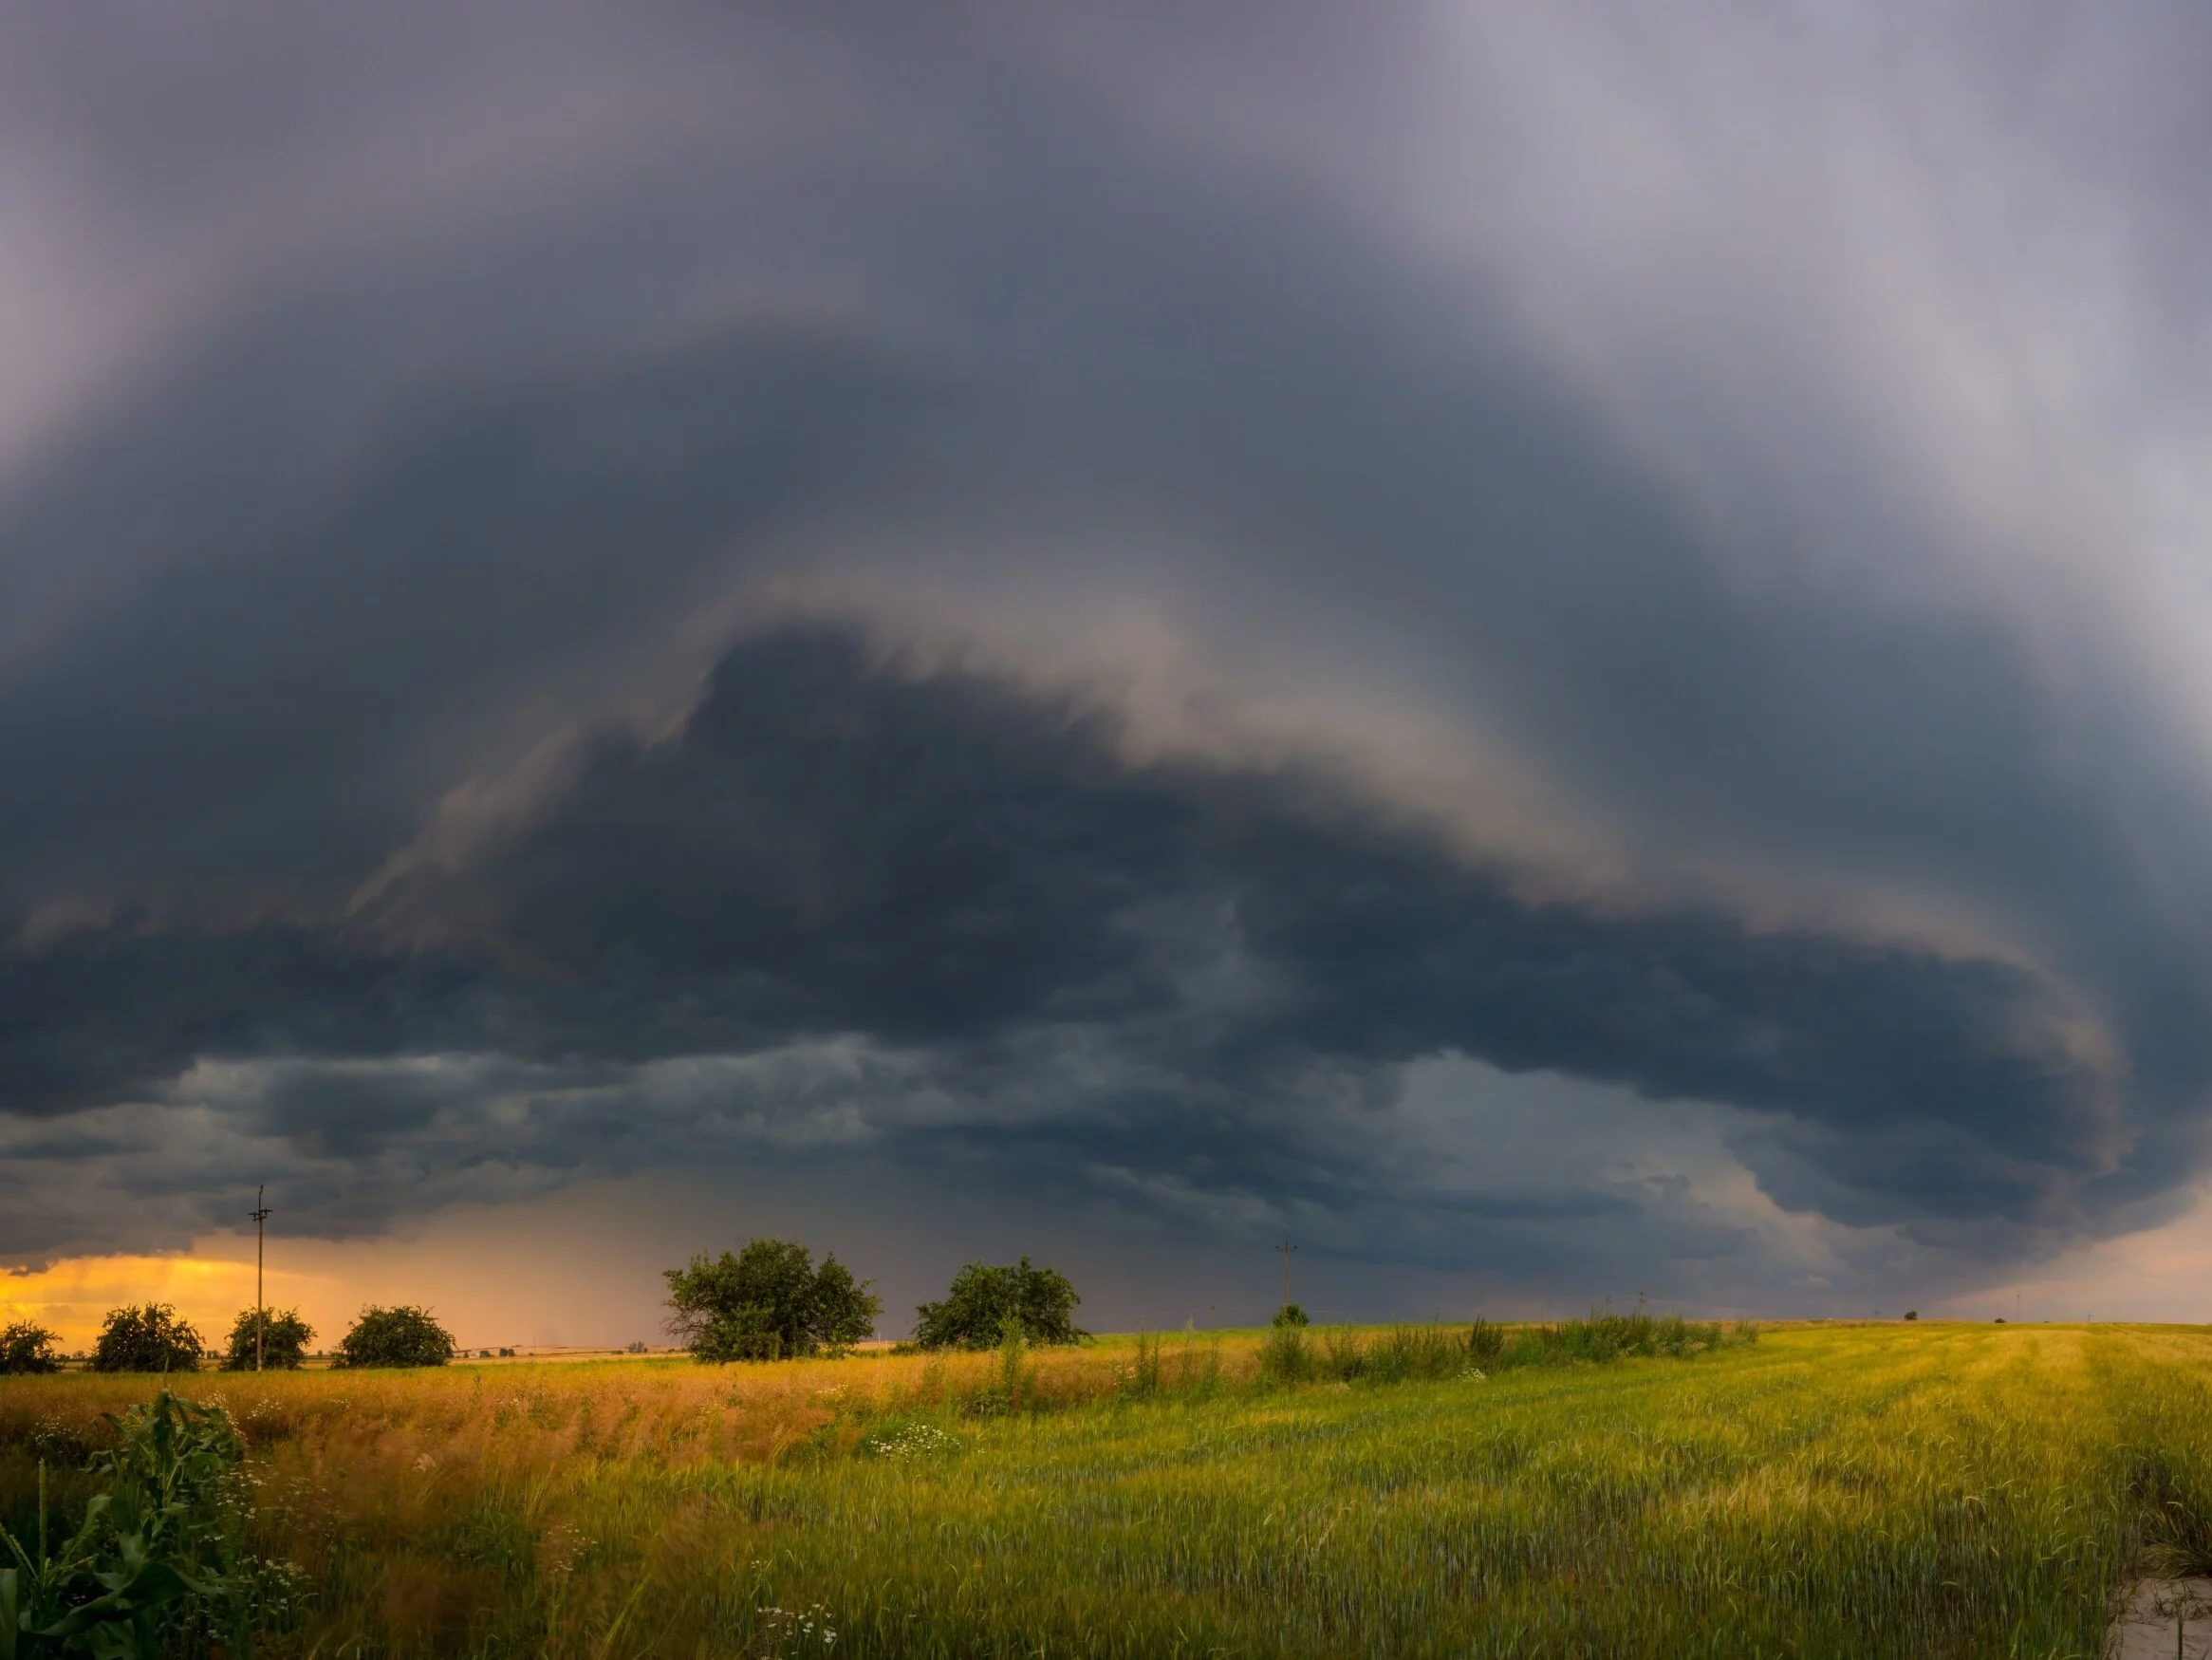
point(1285, 1248)
point(260, 1215)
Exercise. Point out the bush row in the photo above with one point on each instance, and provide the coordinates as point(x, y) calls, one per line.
point(153, 1337)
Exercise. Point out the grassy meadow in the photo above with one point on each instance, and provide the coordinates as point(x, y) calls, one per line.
point(1826, 1490)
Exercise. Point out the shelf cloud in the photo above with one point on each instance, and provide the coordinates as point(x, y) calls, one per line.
point(1510, 640)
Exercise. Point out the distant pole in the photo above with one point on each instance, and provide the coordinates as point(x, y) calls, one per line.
point(1285, 1248)
point(260, 1215)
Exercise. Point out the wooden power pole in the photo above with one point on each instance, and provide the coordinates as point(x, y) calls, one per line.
point(260, 1215)
point(1285, 1248)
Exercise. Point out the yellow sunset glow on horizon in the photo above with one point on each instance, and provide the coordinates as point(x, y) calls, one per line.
point(71, 1296)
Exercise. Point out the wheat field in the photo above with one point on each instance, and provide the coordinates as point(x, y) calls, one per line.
point(1827, 1490)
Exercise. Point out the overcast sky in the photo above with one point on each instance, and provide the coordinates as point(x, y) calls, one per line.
point(1556, 649)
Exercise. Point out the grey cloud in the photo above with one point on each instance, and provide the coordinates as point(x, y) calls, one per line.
point(475, 437)
point(295, 702)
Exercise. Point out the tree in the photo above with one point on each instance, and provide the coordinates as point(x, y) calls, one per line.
point(404, 1335)
point(768, 1301)
point(1912, 1313)
point(982, 1299)
point(25, 1346)
point(1290, 1314)
point(284, 1342)
point(146, 1340)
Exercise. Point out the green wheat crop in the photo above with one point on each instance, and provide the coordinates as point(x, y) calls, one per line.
point(1846, 1491)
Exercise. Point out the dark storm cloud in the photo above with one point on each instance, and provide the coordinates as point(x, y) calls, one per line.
point(1192, 960)
point(825, 849)
point(391, 402)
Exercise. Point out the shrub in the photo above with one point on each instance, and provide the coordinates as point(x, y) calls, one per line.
point(26, 1346)
point(284, 1341)
point(767, 1300)
point(151, 1338)
point(1286, 1357)
point(1290, 1314)
point(1912, 1313)
point(1411, 1352)
point(974, 1312)
point(1485, 1342)
point(405, 1336)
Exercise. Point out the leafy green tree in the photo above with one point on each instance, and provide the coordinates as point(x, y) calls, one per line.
point(151, 1338)
point(284, 1343)
point(25, 1346)
point(975, 1311)
point(766, 1301)
point(1290, 1314)
point(405, 1336)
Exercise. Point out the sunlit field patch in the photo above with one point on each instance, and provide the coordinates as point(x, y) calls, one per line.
point(1927, 1490)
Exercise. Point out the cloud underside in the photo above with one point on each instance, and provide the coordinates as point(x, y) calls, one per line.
point(860, 907)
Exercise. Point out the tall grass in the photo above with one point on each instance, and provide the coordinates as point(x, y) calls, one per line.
point(1294, 1354)
point(1657, 1489)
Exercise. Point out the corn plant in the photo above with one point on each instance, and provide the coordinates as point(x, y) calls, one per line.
point(146, 1564)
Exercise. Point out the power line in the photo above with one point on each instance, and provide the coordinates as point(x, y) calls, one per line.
point(260, 1213)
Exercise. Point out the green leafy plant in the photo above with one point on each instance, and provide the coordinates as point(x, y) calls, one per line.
point(150, 1564)
point(25, 1346)
point(283, 1344)
point(768, 1301)
point(148, 1338)
point(1290, 1314)
point(975, 1310)
point(404, 1335)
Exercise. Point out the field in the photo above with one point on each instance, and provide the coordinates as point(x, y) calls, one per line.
point(1874, 1490)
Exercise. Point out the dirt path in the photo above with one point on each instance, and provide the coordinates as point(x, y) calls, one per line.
point(2160, 1619)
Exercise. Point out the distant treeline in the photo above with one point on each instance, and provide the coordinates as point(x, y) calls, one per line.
point(769, 1300)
